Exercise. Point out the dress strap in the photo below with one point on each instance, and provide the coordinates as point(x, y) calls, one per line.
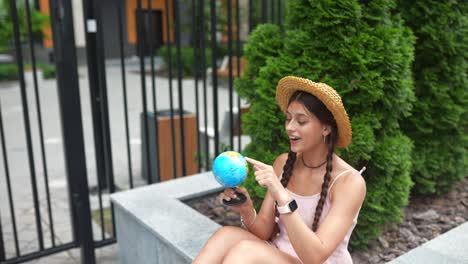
point(341, 174)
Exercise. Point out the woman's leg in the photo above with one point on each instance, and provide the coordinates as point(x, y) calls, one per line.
point(222, 242)
point(257, 252)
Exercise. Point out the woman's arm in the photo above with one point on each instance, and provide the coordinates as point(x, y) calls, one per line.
point(316, 247)
point(262, 226)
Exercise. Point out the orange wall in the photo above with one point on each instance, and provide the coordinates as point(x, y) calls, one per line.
point(156, 5)
point(44, 8)
point(131, 20)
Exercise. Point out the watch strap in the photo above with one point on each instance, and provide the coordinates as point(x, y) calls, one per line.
point(290, 207)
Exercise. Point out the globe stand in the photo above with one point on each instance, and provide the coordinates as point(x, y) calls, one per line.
point(240, 199)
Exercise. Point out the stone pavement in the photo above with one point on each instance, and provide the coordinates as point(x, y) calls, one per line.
point(450, 247)
point(19, 169)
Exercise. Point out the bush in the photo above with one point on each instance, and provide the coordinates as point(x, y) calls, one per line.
point(439, 122)
point(38, 22)
point(187, 59)
point(8, 72)
point(48, 70)
point(364, 52)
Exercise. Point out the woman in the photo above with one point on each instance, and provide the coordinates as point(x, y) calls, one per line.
point(313, 196)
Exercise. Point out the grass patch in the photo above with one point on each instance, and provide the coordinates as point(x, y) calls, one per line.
point(107, 217)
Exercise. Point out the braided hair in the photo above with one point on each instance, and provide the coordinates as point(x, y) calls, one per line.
point(316, 107)
point(287, 173)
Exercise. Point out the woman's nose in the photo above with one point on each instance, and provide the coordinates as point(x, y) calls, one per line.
point(289, 126)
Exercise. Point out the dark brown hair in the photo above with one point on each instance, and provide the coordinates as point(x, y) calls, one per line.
point(316, 107)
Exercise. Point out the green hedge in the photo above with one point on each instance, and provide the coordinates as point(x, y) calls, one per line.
point(8, 72)
point(439, 122)
point(365, 53)
point(48, 70)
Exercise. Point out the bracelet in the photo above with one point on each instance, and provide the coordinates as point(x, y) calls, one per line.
point(242, 219)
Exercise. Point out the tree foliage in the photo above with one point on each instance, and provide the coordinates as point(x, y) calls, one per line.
point(438, 125)
point(38, 22)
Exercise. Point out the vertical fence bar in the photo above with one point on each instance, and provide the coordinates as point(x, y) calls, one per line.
point(251, 13)
point(95, 89)
point(171, 92)
point(96, 99)
point(41, 130)
point(105, 104)
point(280, 19)
point(196, 70)
point(179, 83)
point(8, 182)
point(95, 48)
point(264, 11)
point(124, 87)
point(238, 52)
point(27, 125)
point(203, 70)
point(214, 74)
point(141, 40)
point(105, 111)
point(231, 104)
point(72, 127)
point(272, 16)
point(153, 83)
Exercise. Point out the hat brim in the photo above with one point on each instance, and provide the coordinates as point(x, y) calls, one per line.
point(287, 86)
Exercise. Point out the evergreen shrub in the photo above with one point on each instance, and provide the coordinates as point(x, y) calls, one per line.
point(439, 121)
point(362, 50)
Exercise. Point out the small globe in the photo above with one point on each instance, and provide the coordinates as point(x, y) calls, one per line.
point(230, 169)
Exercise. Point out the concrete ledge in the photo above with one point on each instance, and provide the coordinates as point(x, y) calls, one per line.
point(450, 247)
point(154, 225)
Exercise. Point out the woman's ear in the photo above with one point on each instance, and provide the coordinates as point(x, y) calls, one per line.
point(326, 130)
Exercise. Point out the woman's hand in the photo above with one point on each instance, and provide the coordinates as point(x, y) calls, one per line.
point(266, 177)
point(230, 193)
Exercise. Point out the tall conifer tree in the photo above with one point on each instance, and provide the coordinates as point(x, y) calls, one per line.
point(439, 122)
point(363, 50)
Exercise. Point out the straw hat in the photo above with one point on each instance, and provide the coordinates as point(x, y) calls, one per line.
point(332, 100)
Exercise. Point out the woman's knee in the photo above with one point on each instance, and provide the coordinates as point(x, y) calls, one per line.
point(227, 231)
point(242, 252)
point(218, 245)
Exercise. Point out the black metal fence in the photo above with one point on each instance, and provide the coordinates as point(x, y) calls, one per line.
point(112, 138)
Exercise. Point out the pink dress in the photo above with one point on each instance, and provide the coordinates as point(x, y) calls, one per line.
point(306, 209)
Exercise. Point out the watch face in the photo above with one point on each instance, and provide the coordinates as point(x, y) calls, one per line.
point(293, 205)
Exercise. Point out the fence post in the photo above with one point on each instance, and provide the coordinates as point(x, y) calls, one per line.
point(98, 93)
point(72, 127)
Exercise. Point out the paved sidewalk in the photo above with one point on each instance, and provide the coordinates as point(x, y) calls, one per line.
point(19, 169)
point(450, 247)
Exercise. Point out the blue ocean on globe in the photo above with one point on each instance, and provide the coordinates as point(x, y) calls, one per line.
point(230, 169)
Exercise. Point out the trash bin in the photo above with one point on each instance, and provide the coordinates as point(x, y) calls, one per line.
point(165, 147)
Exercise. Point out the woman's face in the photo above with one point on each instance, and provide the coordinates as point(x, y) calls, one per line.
point(304, 129)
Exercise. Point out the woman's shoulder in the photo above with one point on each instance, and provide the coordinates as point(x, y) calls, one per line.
point(349, 174)
point(340, 166)
point(282, 158)
point(278, 165)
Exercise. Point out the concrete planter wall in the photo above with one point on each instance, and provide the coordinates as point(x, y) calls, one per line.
point(153, 225)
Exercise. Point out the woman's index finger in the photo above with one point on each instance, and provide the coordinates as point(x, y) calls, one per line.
point(257, 163)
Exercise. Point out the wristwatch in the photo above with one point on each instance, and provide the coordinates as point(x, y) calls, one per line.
point(290, 207)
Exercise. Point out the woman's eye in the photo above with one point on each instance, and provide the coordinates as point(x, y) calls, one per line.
point(301, 123)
